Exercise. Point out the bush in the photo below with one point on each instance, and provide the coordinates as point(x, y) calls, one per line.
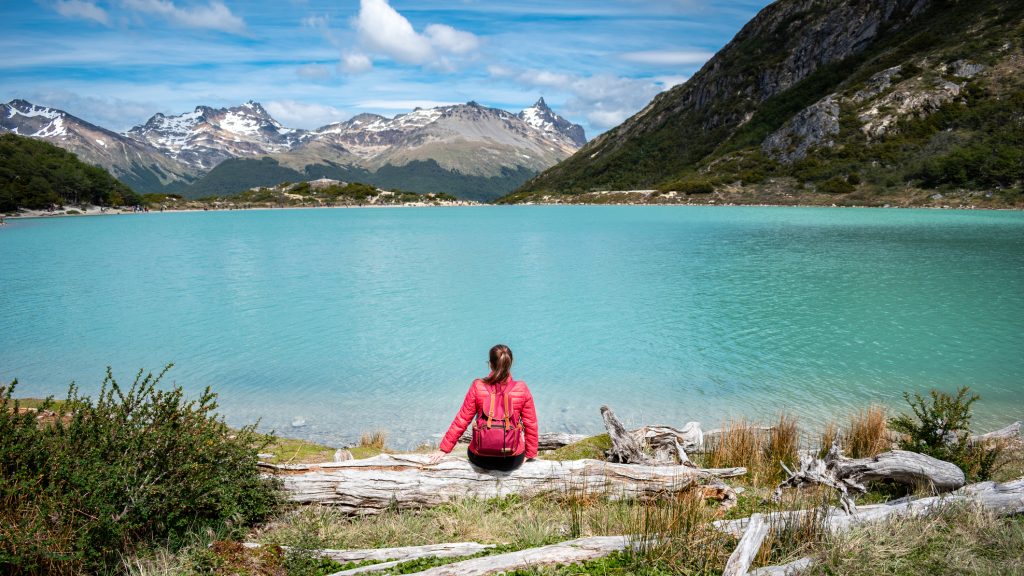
point(836, 185)
point(133, 467)
point(940, 427)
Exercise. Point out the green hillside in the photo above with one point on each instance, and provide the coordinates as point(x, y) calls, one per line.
point(36, 174)
point(861, 101)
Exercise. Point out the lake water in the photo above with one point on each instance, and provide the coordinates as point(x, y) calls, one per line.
point(362, 319)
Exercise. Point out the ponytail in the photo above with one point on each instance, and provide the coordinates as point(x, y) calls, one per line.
point(501, 364)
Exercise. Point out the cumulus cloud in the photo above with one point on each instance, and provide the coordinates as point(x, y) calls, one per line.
point(213, 16)
point(383, 31)
point(448, 39)
point(604, 100)
point(668, 57)
point(82, 9)
point(302, 114)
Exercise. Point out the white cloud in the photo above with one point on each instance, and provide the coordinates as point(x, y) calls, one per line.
point(296, 114)
point(382, 30)
point(448, 39)
point(604, 100)
point(668, 57)
point(82, 9)
point(213, 16)
point(355, 62)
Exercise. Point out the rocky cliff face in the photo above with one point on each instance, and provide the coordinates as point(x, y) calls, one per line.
point(207, 136)
point(802, 79)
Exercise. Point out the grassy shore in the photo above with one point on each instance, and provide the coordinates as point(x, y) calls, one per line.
point(983, 544)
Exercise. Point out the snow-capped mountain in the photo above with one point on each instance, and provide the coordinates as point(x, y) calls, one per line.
point(207, 136)
point(468, 138)
point(544, 119)
point(136, 164)
point(463, 146)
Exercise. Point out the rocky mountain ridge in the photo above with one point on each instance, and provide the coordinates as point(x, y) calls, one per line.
point(858, 99)
point(464, 146)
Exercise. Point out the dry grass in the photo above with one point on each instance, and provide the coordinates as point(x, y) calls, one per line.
point(957, 540)
point(829, 434)
point(377, 440)
point(511, 520)
point(868, 433)
point(742, 443)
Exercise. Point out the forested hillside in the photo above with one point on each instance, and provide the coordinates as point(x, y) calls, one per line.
point(37, 174)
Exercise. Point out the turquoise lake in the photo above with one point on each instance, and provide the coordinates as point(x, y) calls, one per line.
point(362, 319)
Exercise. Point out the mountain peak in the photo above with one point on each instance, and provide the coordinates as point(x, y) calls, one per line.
point(543, 118)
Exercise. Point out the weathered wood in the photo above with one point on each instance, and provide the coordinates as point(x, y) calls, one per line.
point(792, 569)
point(371, 485)
point(569, 552)
point(750, 543)
point(626, 449)
point(1011, 432)
point(669, 444)
point(1003, 499)
point(846, 474)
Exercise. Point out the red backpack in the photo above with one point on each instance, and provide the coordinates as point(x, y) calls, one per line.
point(494, 434)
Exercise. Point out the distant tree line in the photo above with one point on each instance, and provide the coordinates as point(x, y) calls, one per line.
point(36, 174)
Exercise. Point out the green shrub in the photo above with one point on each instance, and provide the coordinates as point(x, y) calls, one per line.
point(130, 468)
point(940, 426)
point(836, 185)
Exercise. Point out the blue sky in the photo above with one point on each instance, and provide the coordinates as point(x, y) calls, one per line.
point(311, 62)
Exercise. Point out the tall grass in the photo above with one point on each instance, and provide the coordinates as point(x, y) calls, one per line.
point(761, 451)
point(867, 434)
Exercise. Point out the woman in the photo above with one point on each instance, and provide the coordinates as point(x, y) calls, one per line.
point(504, 414)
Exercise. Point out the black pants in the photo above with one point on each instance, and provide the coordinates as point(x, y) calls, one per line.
point(499, 463)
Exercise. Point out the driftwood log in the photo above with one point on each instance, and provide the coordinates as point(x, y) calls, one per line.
point(1002, 499)
point(401, 553)
point(750, 543)
point(667, 445)
point(371, 485)
point(852, 474)
point(579, 550)
point(1011, 432)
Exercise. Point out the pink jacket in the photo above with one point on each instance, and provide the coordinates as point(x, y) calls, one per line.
point(478, 398)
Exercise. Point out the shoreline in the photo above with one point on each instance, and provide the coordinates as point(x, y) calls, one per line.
point(94, 211)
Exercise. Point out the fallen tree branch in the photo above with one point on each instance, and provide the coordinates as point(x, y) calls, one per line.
point(371, 485)
point(1003, 499)
point(579, 550)
point(1011, 432)
point(750, 543)
point(846, 474)
point(400, 554)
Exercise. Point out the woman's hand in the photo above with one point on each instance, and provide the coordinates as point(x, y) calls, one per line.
point(436, 457)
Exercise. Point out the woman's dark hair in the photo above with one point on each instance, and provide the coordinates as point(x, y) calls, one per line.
point(501, 363)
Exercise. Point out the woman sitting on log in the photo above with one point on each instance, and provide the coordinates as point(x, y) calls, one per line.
point(504, 415)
